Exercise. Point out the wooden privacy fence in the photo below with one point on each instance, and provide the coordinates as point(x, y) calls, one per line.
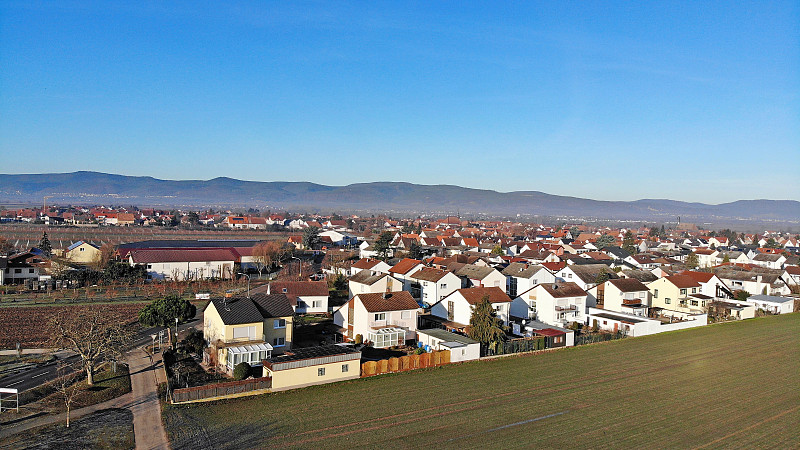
point(405, 363)
point(220, 390)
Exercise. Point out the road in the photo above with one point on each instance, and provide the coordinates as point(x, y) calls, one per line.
point(36, 376)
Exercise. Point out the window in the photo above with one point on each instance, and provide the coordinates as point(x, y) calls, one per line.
point(279, 342)
point(82, 249)
point(321, 372)
point(534, 282)
point(30, 270)
point(149, 266)
point(667, 301)
point(683, 291)
point(694, 302)
point(703, 303)
point(380, 317)
point(316, 304)
point(279, 323)
point(569, 275)
point(344, 368)
point(244, 332)
point(694, 290)
point(443, 286)
point(17, 270)
point(655, 293)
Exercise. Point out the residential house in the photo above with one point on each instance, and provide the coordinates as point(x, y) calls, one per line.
point(457, 307)
point(385, 319)
point(557, 304)
point(522, 277)
point(375, 266)
point(82, 253)
point(404, 269)
point(431, 285)
point(365, 282)
point(480, 276)
point(710, 284)
point(677, 293)
point(635, 325)
point(772, 261)
point(586, 276)
point(307, 297)
point(17, 269)
point(627, 295)
point(241, 329)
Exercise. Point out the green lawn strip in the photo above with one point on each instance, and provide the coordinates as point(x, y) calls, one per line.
point(681, 388)
point(107, 385)
point(105, 429)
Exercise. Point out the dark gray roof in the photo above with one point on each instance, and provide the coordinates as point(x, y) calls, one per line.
point(447, 336)
point(239, 310)
point(642, 275)
point(770, 298)
point(235, 311)
point(475, 272)
point(366, 277)
point(519, 270)
point(322, 351)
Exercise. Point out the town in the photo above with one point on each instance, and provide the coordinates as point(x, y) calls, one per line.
point(318, 299)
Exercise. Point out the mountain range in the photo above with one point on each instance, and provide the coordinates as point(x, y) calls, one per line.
point(94, 188)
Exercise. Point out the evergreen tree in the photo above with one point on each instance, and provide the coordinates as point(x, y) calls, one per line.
point(604, 241)
point(415, 251)
point(44, 245)
point(484, 326)
point(628, 244)
point(381, 246)
point(692, 261)
point(163, 311)
point(311, 238)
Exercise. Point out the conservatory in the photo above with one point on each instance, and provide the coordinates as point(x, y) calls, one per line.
point(252, 354)
point(386, 337)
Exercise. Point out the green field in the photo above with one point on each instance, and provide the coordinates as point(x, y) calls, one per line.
point(725, 385)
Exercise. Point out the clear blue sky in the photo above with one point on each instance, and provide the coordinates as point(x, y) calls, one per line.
point(692, 101)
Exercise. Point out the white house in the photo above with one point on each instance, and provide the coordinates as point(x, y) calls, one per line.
point(384, 318)
point(585, 276)
point(770, 260)
point(432, 285)
point(522, 277)
point(457, 307)
point(376, 266)
point(480, 276)
point(365, 282)
point(627, 295)
point(404, 269)
point(635, 325)
point(557, 304)
point(307, 297)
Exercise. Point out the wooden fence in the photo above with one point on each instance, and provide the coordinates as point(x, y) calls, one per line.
point(220, 390)
point(405, 363)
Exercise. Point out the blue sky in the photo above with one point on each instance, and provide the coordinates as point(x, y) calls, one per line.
point(693, 101)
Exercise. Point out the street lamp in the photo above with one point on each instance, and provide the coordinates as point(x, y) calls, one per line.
point(248, 282)
point(176, 334)
point(299, 265)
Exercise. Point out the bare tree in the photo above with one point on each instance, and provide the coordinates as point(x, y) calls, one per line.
point(93, 332)
point(67, 386)
point(265, 254)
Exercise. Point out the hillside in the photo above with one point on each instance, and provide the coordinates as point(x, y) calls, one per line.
point(100, 188)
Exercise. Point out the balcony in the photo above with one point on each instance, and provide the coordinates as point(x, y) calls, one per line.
point(567, 308)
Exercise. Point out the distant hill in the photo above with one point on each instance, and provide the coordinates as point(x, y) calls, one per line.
point(101, 188)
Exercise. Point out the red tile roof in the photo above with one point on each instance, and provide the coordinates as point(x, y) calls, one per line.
point(390, 301)
point(476, 294)
point(405, 266)
point(683, 281)
point(700, 277)
point(366, 263)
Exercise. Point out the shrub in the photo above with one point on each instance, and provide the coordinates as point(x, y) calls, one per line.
point(241, 371)
point(419, 350)
point(359, 339)
point(194, 341)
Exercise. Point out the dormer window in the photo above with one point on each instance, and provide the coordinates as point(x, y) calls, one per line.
point(284, 290)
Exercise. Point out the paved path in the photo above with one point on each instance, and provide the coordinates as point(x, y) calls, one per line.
point(142, 401)
point(147, 426)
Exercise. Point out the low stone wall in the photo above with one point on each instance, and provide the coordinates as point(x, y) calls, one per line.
point(220, 390)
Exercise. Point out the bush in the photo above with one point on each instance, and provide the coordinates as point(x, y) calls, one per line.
point(194, 341)
point(359, 339)
point(419, 351)
point(241, 371)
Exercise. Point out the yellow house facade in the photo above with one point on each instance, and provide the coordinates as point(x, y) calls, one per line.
point(313, 365)
point(82, 253)
point(677, 293)
point(247, 329)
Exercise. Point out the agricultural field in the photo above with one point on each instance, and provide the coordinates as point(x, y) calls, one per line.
point(725, 385)
point(25, 236)
point(27, 325)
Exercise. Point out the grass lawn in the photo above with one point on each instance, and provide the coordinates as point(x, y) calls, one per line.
point(109, 428)
point(725, 385)
point(107, 385)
